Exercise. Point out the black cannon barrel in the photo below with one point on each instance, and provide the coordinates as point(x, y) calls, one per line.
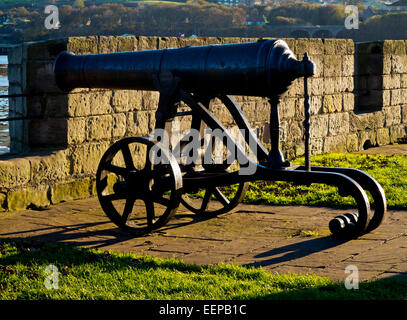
point(262, 68)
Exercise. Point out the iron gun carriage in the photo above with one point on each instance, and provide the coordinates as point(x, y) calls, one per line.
point(129, 171)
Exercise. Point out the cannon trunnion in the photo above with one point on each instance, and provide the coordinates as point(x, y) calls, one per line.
point(141, 181)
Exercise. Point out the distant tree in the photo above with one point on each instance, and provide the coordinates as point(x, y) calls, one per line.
point(79, 4)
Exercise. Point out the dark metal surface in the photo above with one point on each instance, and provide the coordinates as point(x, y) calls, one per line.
point(262, 68)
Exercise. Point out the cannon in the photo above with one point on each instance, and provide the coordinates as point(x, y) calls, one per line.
point(141, 181)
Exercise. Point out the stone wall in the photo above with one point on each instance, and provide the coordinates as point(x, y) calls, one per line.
point(56, 157)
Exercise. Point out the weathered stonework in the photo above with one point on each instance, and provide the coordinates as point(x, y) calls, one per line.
point(358, 98)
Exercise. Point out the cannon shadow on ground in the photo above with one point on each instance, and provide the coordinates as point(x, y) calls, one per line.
point(295, 251)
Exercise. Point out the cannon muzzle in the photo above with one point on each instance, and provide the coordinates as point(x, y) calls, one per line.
point(263, 68)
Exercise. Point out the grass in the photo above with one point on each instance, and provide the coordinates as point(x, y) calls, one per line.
point(389, 171)
point(87, 274)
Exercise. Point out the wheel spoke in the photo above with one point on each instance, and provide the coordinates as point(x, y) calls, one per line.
point(163, 201)
point(115, 169)
point(150, 212)
point(127, 157)
point(221, 197)
point(128, 208)
point(206, 199)
point(114, 196)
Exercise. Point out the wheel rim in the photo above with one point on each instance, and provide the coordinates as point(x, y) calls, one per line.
point(136, 193)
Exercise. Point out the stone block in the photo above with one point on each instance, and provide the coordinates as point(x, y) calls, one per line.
point(398, 63)
point(397, 132)
point(107, 44)
point(14, 172)
point(352, 143)
point(149, 100)
point(395, 97)
point(135, 101)
point(348, 65)
point(167, 42)
point(296, 88)
point(316, 145)
point(49, 167)
point(403, 80)
point(391, 81)
point(335, 144)
point(338, 124)
point(98, 127)
point(147, 43)
point(348, 100)
point(78, 104)
point(29, 196)
point(318, 59)
point(404, 113)
point(332, 103)
point(83, 45)
point(286, 108)
point(119, 125)
point(337, 46)
point(126, 43)
point(3, 202)
point(316, 86)
point(392, 116)
point(366, 121)
point(71, 190)
point(299, 108)
point(76, 128)
point(120, 100)
point(99, 102)
point(344, 84)
point(394, 47)
point(386, 94)
point(386, 64)
point(85, 158)
point(319, 126)
point(383, 136)
point(294, 131)
point(138, 123)
point(329, 85)
point(332, 66)
point(403, 98)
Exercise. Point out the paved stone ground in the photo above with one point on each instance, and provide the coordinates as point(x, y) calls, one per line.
point(253, 235)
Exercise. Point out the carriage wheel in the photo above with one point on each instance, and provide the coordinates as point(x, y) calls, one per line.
point(139, 184)
point(215, 200)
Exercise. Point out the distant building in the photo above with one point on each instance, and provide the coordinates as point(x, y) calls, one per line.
point(255, 21)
